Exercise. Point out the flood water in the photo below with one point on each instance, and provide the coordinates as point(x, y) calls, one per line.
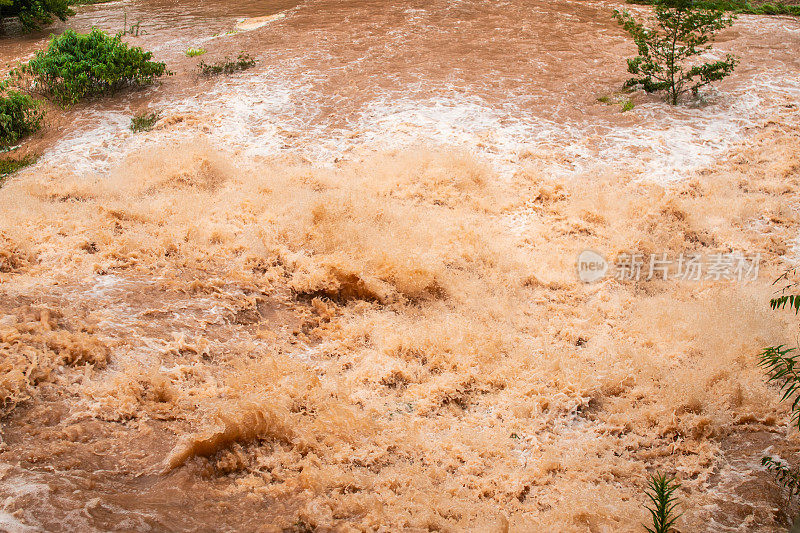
point(334, 74)
point(336, 292)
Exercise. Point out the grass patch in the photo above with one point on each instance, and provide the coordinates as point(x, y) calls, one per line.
point(144, 121)
point(77, 65)
point(738, 6)
point(227, 66)
point(194, 52)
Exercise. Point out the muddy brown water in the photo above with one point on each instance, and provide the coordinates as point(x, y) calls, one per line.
point(345, 62)
point(333, 76)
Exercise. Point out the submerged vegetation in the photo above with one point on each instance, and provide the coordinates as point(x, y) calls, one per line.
point(625, 103)
point(144, 121)
point(665, 61)
point(9, 165)
point(227, 66)
point(75, 66)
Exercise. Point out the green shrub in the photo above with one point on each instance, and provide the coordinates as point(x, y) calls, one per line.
point(194, 52)
point(739, 6)
point(243, 62)
point(144, 121)
point(666, 61)
point(33, 14)
point(76, 65)
point(20, 115)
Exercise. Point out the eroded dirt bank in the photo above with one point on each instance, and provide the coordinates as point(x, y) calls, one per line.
point(382, 328)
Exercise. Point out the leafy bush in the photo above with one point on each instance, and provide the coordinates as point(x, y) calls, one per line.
point(739, 6)
point(194, 52)
point(33, 14)
point(144, 121)
point(20, 115)
point(661, 492)
point(682, 32)
point(243, 62)
point(76, 65)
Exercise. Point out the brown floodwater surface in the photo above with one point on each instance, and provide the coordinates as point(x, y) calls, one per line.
point(337, 291)
point(331, 75)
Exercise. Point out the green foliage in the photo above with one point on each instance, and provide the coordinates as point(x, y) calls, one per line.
point(666, 52)
point(20, 115)
point(144, 121)
point(661, 492)
point(793, 300)
point(243, 62)
point(135, 29)
point(33, 14)
point(627, 105)
point(739, 6)
point(780, 302)
point(788, 477)
point(76, 65)
point(194, 52)
point(782, 368)
point(9, 165)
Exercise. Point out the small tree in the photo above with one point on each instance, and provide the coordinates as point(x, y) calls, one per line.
point(665, 55)
point(33, 14)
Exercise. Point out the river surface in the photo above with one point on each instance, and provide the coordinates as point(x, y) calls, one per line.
point(336, 291)
point(499, 75)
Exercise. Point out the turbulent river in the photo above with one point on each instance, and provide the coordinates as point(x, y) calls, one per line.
point(338, 291)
